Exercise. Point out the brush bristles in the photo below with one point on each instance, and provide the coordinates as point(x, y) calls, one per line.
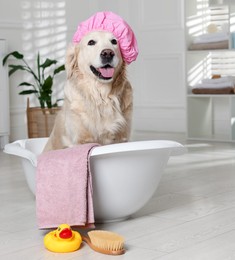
point(106, 240)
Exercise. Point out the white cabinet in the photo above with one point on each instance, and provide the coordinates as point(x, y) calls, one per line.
point(4, 98)
point(210, 43)
point(211, 117)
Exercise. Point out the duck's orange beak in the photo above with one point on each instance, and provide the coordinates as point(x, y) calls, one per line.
point(66, 233)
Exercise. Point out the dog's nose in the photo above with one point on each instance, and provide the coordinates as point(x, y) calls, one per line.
point(107, 55)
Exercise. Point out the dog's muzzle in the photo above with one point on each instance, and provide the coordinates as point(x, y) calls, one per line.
point(105, 72)
point(107, 56)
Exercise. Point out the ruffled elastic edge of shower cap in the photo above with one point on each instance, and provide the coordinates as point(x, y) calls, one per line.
point(108, 21)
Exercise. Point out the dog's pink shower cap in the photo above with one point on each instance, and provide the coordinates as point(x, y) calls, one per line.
point(108, 21)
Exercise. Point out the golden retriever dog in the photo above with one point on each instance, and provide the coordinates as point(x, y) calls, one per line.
point(97, 96)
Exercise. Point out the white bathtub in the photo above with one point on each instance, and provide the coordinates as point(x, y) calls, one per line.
point(124, 176)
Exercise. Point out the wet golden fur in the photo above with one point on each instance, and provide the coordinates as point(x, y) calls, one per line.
point(94, 110)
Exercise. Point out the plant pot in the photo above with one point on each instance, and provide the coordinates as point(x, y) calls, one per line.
point(40, 120)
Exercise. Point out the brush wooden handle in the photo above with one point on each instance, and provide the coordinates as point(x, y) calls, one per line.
point(101, 250)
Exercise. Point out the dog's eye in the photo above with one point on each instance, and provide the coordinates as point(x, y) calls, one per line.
point(114, 41)
point(91, 42)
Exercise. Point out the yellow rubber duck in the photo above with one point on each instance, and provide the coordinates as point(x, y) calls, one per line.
point(63, 240)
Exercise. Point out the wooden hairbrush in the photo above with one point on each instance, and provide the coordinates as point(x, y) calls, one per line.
point(105, 242)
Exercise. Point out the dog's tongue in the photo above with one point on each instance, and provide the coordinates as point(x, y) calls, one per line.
point(106, 72)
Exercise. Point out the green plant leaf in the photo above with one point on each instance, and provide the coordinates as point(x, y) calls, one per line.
point(47, 85)
point(48, 63)
point(16, 54)
point(45, 96)
point(14, 68)
point(28, 92)
point(26, 84)
point(38, 67)
point(56, 103)
point(49, 105)
point(41, 87)
point(59, 69)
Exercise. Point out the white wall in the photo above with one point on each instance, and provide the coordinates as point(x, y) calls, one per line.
point(157, 76)
point(160, 95)
point(4, 100)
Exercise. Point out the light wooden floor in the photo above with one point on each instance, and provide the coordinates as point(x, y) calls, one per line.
point(191, 216)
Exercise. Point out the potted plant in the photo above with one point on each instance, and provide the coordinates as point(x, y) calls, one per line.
point(40, 119)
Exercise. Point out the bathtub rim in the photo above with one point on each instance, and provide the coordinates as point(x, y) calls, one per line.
point(132, 146)
point(18, 148)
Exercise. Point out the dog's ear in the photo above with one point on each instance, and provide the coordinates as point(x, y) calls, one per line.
point(71, 60)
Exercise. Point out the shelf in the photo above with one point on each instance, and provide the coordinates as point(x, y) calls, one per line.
point(213, 6)
point(210, 50)
point(212, 138)
point(219, 2)
point(210, 96)
point(210, 117)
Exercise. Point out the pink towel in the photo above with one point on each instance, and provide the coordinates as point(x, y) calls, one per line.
point(64, 187)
